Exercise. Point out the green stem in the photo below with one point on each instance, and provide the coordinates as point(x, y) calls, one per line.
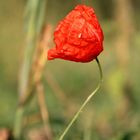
point(18, 123)
point(85, 102)
point(34, 17)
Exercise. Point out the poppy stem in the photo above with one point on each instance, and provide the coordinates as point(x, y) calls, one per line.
point(85, 102)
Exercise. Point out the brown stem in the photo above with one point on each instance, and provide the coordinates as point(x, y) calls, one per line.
point(43, 110)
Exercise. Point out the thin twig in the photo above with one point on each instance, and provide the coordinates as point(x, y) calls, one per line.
point(38, 67)
point(43, 110)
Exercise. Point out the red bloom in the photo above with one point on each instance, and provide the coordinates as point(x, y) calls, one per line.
point(78, 37)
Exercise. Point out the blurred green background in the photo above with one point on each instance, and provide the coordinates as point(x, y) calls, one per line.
point(114, 113)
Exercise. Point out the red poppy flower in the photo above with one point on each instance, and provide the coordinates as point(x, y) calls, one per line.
point(78, 37)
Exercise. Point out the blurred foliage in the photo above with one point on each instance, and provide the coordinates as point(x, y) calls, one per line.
point(114, 113)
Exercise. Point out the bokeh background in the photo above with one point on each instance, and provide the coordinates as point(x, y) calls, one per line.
point(114, 113)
